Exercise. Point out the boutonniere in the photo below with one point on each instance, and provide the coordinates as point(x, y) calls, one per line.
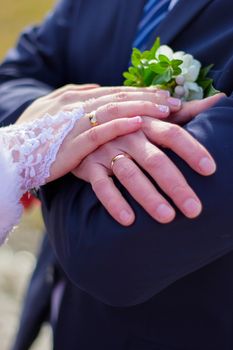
point(178, 72)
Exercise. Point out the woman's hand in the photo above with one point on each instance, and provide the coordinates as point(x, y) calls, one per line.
point(77, 146)
point(109, 106)
point(157, 103)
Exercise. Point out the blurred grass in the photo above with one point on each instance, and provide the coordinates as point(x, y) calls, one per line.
point(17, 257)
point(15, 15)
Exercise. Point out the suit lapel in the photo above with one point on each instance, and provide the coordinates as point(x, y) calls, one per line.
point(177, 19)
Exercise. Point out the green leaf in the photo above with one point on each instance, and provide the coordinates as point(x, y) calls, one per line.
point(205, 83)
point(163, 58)
point(128, 82)
point(148, 77)
point(177, 71)
point(176, 63)
point(212, 91)
point(163, 78)
point(129, 76)
point(157, 68)
point(133, 70)
point(136, 57)
point(155, 46)
point(146, 55)
point(205, 70)
point(164, 64)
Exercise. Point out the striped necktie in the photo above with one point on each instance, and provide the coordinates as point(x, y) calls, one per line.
point(153, 13)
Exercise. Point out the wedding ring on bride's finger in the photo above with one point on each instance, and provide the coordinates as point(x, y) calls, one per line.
point(119, 156)
point(92, 118)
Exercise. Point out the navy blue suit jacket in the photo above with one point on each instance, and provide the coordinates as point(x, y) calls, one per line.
point(148, 286)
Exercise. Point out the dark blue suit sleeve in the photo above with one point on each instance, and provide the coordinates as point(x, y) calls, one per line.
point(36, 65)
point(125, 266)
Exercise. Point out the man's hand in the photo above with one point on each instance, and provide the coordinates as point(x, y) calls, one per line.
point(142, 147)
point(96, 170)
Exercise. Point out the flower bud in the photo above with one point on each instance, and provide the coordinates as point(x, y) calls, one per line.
point(180, 80)
point(179, 91)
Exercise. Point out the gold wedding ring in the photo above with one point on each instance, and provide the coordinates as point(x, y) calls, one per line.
point(92, 118)
point(119, 156)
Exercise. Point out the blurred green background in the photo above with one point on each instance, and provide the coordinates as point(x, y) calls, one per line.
point(18, 256)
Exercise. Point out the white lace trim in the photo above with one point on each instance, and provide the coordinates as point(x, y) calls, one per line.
point(10, 207)
point(27, 153)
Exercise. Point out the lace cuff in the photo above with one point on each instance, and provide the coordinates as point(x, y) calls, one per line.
point(10, 207)
point(27, 153)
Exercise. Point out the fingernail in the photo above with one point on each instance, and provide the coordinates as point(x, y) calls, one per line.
point(165, 93)
point(163, 108)
point(207, 165)
point(176, 102)
point(125, 216)
point(192, 207)
point(136, 120)
point(165, 212)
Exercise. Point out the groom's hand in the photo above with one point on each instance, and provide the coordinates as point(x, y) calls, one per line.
point(143, 148)
point(96, 169)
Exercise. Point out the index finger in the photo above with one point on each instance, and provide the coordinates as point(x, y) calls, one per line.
point(110, 90)
point(182, 143)
point(77, 146)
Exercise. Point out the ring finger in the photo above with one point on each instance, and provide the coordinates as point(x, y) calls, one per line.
point(127, 109)
point(142, 190)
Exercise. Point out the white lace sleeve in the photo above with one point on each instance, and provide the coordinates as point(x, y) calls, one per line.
point(27, 152)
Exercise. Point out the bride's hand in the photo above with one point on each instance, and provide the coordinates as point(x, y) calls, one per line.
point(63, 133)
point(76, 146)
point(70, 97)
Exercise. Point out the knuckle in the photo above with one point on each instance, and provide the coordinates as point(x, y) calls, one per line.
point(155, 160)
point(121, 96)
point(174, 132)
point(149, 198)
point(112, 109)
point(144, 104)
point(126, 173)
point(92, 135)
point(99, 184)
point(178, 189)
point(70, 86)
point(66, 97)
point(113, 90)
point(117, 126)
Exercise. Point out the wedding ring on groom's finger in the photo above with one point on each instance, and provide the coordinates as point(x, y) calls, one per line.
point(92, 118)
point(119, 156)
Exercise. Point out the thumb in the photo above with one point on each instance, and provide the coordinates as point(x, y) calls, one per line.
point(191, 109)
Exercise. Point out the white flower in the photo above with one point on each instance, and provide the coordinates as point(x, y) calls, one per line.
point(190, 66)
point(187, 88)
point(164, 50)
point(190, 72)
point(178, 55)
point(193, 91)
